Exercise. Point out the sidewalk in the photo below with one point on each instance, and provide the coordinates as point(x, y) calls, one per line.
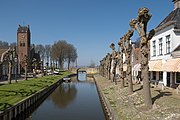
point(166, 102)
point(18, 79)
point(12, 81)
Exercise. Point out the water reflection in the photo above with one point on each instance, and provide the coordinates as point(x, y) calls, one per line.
point(64, 95)
point(71, 101)
point(82, 75)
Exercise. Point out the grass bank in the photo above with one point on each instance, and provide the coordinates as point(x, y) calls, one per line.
point(10, 94)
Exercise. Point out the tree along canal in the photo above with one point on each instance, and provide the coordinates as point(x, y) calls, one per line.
point(77, 100)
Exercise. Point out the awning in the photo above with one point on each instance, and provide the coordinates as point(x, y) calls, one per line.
point(172, 65)
point(137, 67)
point(155, 65)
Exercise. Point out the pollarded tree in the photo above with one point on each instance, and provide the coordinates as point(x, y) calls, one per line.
point(120, 56)
point(127, 49)
point(109, 60)
point(114, 60)
point(140, 24)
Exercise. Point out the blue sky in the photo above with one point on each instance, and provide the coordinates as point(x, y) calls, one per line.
point(90, 25)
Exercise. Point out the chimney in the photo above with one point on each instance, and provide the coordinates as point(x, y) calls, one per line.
point(176, 4)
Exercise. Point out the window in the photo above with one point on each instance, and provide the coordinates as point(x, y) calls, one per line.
point(168, 44)
point(178, 77)
point(154, 48)
point(160, 46)
point(20, 44)
point(160, 76)
point(154, 75)
point(23, 44)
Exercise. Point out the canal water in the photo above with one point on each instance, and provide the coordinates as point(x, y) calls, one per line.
point(71, 101)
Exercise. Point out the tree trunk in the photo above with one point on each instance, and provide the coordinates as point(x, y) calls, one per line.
point(68, 63)
point(25, 71)
point(121, 72)
point(129, 69)
point(61, 64)
point(129, 77)
point(140, 24)
point(145, 76)
point(9, 72)
point(109, 70)
point(114, 71)
point(16, 68)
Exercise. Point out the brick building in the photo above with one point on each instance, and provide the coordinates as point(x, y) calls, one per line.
point(25, 52)
point(22, 49)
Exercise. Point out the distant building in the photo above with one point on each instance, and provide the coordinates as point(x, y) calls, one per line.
point(136, 60)
point(164, 49)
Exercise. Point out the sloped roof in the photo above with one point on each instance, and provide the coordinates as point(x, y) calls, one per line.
point(177, 48)
point(176, 52)
point(172, 18)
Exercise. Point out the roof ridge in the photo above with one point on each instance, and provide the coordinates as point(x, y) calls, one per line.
point(172, 18)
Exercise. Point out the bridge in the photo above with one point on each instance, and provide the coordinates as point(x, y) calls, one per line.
point(87, 70)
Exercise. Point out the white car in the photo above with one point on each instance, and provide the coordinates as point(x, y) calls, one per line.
point(56, 72)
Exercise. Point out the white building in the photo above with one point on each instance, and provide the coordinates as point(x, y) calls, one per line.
point(164, 64)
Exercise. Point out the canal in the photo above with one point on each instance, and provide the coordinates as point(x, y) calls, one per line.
point(77, 100)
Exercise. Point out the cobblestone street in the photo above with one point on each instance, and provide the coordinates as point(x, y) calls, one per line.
point(125, 106)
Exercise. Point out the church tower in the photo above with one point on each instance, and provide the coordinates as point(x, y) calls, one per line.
point(23, 43)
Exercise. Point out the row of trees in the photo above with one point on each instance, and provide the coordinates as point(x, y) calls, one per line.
point(60, 52)
point(116, 58)
point(6, 44)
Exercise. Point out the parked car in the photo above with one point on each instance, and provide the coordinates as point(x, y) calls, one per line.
point(56, 72)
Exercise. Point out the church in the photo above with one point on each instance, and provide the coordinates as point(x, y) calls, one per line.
point(21, 56)
point(25, 51)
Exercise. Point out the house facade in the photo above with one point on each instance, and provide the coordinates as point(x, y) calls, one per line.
point(164, 67)
point(136, 60)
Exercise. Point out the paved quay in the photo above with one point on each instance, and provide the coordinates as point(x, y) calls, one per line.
point(131, 107)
